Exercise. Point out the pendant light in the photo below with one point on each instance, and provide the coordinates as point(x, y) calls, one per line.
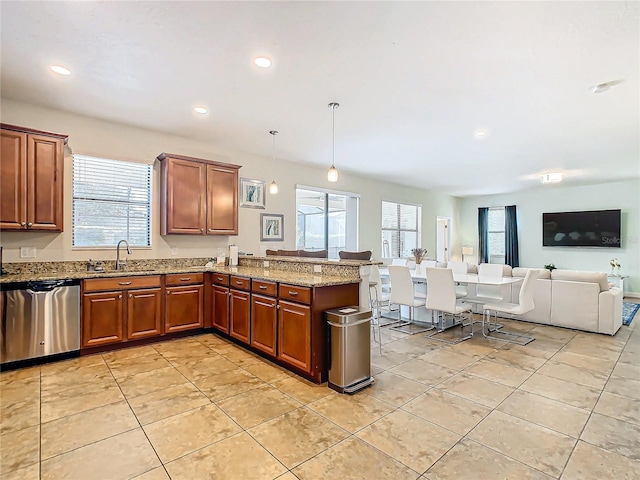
point(273, 186)
point(332, 174)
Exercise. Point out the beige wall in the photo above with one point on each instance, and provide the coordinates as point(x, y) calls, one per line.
point(101, 138)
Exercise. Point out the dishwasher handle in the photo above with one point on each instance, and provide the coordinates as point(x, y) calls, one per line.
point(44, 286)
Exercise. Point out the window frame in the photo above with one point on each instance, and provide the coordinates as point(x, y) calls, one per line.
point(352, 215)
point(503, 255)
point(399, 229)
point(150, 223)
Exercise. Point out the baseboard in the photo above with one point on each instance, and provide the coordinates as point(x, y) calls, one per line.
point(632, 294)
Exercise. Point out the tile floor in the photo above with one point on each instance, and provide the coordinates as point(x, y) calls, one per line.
point(565, 406)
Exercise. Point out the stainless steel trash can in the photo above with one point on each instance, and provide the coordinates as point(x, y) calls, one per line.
point(350, 349)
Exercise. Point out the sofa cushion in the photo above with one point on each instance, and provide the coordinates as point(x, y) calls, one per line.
point(576, 276)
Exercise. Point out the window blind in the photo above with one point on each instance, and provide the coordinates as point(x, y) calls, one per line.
point(111, 202)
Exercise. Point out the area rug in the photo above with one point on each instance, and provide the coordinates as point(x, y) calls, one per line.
point(629, 311)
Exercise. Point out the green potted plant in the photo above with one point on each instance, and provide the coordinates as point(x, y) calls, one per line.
point(550, 266)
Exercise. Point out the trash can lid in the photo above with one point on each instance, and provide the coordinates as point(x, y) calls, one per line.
point(347, 314)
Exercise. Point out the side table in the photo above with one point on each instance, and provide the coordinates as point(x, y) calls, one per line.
point(618, 280)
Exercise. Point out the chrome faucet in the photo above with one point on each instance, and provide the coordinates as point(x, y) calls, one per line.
point(121, 264)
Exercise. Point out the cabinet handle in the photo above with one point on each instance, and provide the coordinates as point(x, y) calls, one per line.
point(29, 224)
point(168, 293)
point(130, 295)
point(119, 297)
point(202, 229)
point(278, 307)
point(238, 282)
point(293, 294)
point(124, 283)
point(23, 224)
point(185, 279)
point(262, 287)
point(220, 279)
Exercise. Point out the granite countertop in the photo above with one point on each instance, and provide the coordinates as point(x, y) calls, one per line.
point(291, 277)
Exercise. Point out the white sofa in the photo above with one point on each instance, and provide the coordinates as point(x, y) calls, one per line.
point(567, 298)
point(574, 299)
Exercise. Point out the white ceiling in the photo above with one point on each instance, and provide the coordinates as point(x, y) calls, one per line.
point(414, 81)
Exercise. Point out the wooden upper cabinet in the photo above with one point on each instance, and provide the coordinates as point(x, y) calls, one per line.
point(198, 197)
point(222, 200)
point(31, 169)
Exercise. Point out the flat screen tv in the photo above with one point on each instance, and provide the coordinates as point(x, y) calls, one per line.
point(596, 228)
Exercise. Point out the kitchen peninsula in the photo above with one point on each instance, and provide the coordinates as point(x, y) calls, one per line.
point(272, 306)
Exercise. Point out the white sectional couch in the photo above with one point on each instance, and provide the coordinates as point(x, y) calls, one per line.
point(574, 299)
point(567, 298)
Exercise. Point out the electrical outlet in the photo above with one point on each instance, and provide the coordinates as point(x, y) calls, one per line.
point(265, 264)
point(27, 252)
point(174, 250)
point(317, 269)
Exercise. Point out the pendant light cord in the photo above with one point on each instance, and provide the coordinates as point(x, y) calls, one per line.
point(333, 136)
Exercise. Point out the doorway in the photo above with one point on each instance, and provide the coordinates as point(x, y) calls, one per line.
point(443, 239)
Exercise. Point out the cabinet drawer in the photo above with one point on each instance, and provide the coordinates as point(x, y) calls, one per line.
point(264, 287)
point(121, 283)
point(220, 279)
point(295, 293)
point(185, 279)
point(240, 283)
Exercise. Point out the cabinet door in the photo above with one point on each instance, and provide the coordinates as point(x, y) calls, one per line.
point(183, 197)
point(184, 308)
point(264, 320)
point(45, 163)
point(102, 319)
point(13, 175)
point(240, 315)
point(222, 200)
point(294, 334)
point(144, 313)
point(221, 308)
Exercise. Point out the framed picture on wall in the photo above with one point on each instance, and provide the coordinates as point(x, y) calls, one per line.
point(271, 227)
point(252, 193)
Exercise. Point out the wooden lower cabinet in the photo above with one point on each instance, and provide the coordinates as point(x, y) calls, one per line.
point(144, 313)
point(102, 318)
point(221, 308)
point(294, 334)
point(240, 315)
point(116, 310)
point(184, 308)
point(264, 323)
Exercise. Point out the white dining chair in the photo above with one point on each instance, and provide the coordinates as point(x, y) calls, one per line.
point(525, 304)
point(376, 314)
point(403, 294)
point(400, 261)
point(489, 293)
point(459, 268)
point(441, 299)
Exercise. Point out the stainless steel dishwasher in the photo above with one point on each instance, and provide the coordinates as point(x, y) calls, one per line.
point(39, 319)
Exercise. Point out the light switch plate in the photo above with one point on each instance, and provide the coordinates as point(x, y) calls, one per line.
point(27, 252)
point(317, 269)
point(174, 250)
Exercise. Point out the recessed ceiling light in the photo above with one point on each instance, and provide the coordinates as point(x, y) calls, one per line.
point(555, 177)
point(480, 133)
point(60, 70)
point(263, 62)
point(200, 110)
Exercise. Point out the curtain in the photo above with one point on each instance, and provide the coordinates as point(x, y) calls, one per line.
point(511, 236)
point(483, 235)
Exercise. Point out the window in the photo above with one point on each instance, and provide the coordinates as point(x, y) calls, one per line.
point(326, 220)
point(496, 235)
point(400, 229)
point(111, 202)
